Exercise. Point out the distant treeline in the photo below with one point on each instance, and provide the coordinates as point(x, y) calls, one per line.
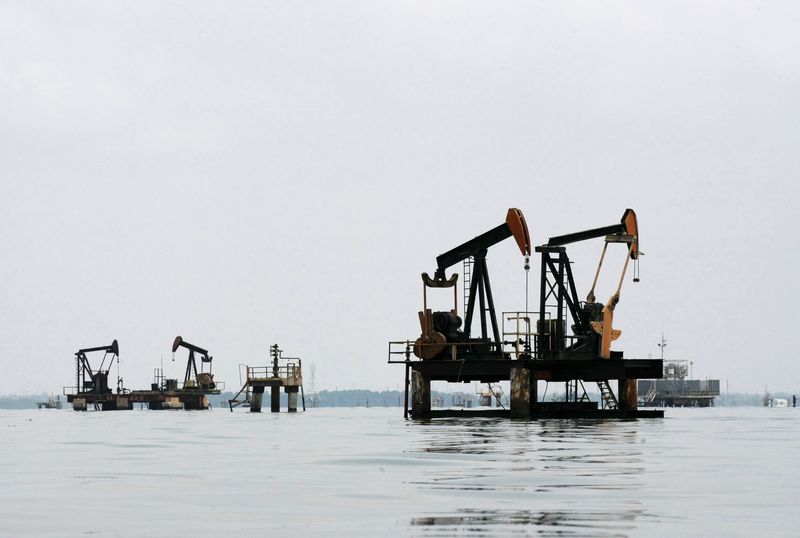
point(24, 402)
point(389, 398)
point(359, 398)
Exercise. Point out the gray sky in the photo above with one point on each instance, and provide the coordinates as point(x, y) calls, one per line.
point(248, 173)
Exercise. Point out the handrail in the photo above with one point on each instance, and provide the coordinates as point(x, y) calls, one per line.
point(517, 340)
point(521, 337)
point(408, 351)
point(218, 386)
point(289, 371)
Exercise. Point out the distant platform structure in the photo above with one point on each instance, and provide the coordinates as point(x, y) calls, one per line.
point(284, 372)
point(53, 402)
point(675, 390)
point(92, 390)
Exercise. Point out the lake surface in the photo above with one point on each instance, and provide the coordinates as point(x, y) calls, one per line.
point(367, 472)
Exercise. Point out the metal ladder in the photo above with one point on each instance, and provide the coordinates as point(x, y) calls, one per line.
point(236, 402)
point(467, 281)
point(610, 401)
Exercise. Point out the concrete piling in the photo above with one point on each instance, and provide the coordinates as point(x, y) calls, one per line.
point(420, 395)
point(256, 398)
point(291, 394)
point(520, 392)
point(628, 395)
point(276, 398)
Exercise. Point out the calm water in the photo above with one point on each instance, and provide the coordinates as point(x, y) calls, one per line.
point(366, 472)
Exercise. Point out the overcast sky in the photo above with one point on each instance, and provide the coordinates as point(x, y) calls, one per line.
point(250, 173)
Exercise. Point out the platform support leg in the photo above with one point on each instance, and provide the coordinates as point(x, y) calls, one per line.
point(291, 396)
point(255, 399)
point(276, 399)
point(520, 392)
point(628, 395)
point(420, 395)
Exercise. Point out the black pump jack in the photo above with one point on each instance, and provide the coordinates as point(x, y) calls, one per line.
point(480, 287)
point(191, 365)
point(97, 381)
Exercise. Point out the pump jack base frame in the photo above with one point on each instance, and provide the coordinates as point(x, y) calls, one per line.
point(551, 370)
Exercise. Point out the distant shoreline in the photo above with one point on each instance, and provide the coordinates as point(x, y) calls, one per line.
point(388, 398)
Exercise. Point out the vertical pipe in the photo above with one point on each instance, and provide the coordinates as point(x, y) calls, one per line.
point(405, 396)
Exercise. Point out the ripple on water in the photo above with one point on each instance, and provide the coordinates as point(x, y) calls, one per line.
point(366, 472)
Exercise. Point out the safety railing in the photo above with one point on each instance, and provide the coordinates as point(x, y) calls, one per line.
point(290, 372)
point(407, 353)
point(73, 391)
point(519, 333)
point(166, 386)
point(520, 338)
point(403, 350)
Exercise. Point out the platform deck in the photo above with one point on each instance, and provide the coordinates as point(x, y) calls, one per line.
point(493, 371)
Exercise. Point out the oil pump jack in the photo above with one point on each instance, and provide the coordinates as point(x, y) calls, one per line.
point(583, 356)
point(93, 381)
point(195, 379)
point(592, 322)
point(441, 335)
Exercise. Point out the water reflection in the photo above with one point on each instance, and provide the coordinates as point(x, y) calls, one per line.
point(545, 523)
point(462, 436)
point(551, 465)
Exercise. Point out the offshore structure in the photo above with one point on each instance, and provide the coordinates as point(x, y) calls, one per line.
point(92, 390)
point(676, 389)
point(534, 346)
point(285, 372)
point(53, 402)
